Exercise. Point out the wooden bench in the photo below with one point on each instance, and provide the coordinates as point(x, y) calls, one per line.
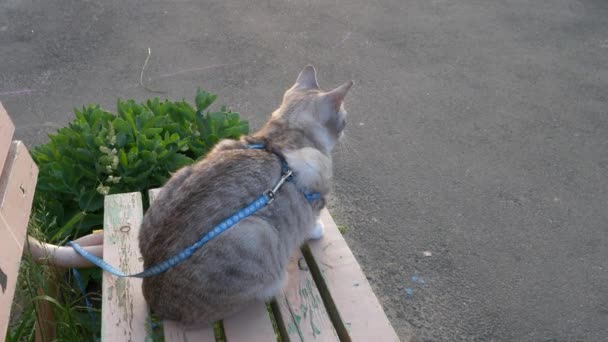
point(17, 185)
point(328, 298)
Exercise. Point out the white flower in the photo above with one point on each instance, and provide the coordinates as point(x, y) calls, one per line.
point(104, 190)
point(111, 134)
point(113, 179)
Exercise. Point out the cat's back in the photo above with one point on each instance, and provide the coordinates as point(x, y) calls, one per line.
point(198, 197)
point(235, 268)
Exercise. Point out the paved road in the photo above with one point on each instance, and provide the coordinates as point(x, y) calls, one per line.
point(478, 133)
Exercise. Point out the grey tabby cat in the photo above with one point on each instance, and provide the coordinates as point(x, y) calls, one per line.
point(246, 263)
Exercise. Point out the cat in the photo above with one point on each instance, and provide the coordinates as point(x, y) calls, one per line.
point(247, 263)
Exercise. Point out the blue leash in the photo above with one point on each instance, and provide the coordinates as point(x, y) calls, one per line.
point(183, 255)
point(265, 199)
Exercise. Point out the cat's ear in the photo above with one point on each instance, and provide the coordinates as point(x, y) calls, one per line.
point(307, 79)
point(336, 96)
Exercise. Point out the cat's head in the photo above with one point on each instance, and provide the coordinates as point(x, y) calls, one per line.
point(319, 113)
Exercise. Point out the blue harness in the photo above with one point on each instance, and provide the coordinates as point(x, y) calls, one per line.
point(266, 198)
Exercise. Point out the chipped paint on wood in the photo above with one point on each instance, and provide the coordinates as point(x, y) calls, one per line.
point(301, 307)
point(124, 310)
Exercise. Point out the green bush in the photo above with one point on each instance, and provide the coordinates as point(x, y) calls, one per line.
point(102, 153)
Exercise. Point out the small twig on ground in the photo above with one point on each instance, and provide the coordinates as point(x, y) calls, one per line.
point(141, 75)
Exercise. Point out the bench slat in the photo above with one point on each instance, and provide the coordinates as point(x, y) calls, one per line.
point(6, 134)
point(124, 310)
point(17, 185)
point(174, 331)
point(252, 324)
point(10, 258)
point(357, 307)
point(301, 308)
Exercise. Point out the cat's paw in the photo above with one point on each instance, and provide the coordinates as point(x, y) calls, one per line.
point(317, 232)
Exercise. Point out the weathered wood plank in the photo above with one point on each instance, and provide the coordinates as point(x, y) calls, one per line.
point(6, 134)
point(124, 310)
point(17, 184)
point(360, 315)
point(251, 324)
point(153, 194)
point(10, 258)
point(174, 331)
point(302, 313)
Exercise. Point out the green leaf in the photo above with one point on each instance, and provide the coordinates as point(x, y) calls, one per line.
point(203, 100)
point(49, 299)
point(178, 161)
point(235, 131)
point(124, 162)
point(121, 139)
point(67, 228)
point(90, 200)
point(148, 156)
point(83, 155)
point(151, 132)
point(121, 126)
point(89, 222)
